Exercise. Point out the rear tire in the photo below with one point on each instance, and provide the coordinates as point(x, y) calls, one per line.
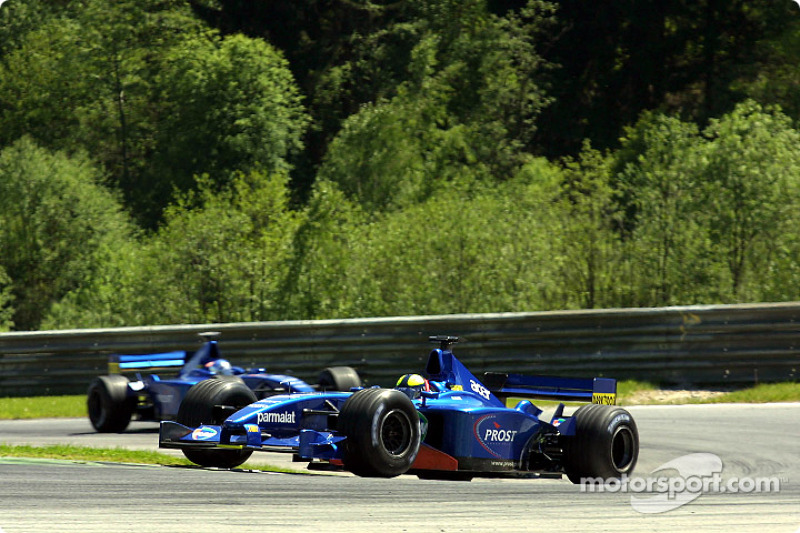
point(339, 378)
point(605, 444)
point(197, 408)
point(109, 403)
point(382, 430)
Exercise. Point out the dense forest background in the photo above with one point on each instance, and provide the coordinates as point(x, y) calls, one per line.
point(192, 161)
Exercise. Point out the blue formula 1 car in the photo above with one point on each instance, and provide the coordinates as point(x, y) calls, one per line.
point(113, 400)
point(449, 426)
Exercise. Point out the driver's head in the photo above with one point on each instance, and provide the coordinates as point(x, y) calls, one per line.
point(220, 366)
point(412, 385)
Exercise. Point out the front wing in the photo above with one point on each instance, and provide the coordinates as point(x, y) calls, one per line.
point(309, 444)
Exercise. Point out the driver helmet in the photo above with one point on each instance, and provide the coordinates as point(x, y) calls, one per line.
point(412, 385)
point(220, 366)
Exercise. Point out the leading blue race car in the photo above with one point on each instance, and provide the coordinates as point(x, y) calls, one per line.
point(449, 426)
point(113, 400)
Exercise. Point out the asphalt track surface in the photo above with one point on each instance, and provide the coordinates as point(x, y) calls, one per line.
point(752, 441)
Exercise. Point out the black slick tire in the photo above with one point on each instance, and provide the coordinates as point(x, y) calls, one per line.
point(109, 403)
point(382, 430)
point(605, 445)
point(197, 408)
point(338, 378)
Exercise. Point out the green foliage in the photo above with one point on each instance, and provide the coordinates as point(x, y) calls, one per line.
point(316, 280)
point(708, 215)
point(230, 105)
point(693, 58)
point(122, 50)
point(468, 103)
point(659, 174)
point(774, 78)
point(753, 168)
point(86, 80)
point(55, 223)
point(386, 156)
point(153, 96)
point(413, 183)
point(41, 86)
point(219, 257)
point(763, 393)
point(68, 452)
point(468, 248)
point(589, 253)
point(651, 224)
point(19, 18)
point(226, 257)
point(6, 301)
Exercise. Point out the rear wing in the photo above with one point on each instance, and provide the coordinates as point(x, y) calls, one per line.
point(597, 390)
point(118, 364)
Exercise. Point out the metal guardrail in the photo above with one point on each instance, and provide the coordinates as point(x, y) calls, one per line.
point(714, 346)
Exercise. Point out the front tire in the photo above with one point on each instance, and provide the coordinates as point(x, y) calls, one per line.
point(197, 408)
point(383, 433)
point(605, 444)
point(339, 378)
point(109, 403)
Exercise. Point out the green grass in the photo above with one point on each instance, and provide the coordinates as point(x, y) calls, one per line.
point(764, 393)
point(68, 452)
point(43, 407)
point(625, 389)
point(82, 453)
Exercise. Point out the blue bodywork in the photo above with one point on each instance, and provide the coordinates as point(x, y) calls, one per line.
point(159, 398)
point(468, 425)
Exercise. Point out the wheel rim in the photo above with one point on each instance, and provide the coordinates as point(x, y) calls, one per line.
point(396, 432)
point(622, 448)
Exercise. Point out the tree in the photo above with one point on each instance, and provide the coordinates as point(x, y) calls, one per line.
point(124, 48)
point(709, 217)
point(86, 80)
point(55, 222)
point(6, 301)
point(17, 19)
point(752, 188)
point(480, 248)
point(230, 105)
point(483, 248)
point(468, 105)
point(316, 279)
point(588, 221)
point(658, 172)
point(41, 87)
point(772, 77)
point(219, 257)
point(618, 58)
point(340, 53)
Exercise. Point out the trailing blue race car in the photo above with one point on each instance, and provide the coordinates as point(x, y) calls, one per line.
point(448, 426)
point(113, 400)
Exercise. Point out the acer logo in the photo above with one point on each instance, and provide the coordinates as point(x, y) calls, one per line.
point(480, 389)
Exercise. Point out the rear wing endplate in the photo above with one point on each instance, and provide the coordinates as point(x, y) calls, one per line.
point(134, 363)
point(596, 390)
